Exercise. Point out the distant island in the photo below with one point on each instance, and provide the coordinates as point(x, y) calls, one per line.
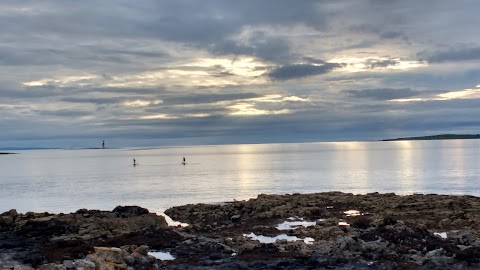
point(5, 153)
point(437, 137)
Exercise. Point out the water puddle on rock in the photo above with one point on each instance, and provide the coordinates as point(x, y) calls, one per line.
point(269, 239)
point(172, 222)
point(443, 235)
point(343, 223)
point(352, 213)
point(295, 223)
point(164, 256)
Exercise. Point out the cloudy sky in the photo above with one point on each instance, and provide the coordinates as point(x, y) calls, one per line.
point(140, 73)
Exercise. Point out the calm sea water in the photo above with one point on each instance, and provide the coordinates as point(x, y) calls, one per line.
point(66, 180)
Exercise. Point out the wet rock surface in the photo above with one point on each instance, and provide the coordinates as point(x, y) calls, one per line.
point(35, 239)
point(385, 232)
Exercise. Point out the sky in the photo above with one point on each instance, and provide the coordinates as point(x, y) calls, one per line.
point(186, 72)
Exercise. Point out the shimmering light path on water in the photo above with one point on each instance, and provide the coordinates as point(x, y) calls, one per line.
point(66, 180)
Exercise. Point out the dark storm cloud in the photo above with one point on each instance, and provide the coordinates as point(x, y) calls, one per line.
point(209, 24)
point(462, 106)
point(77, 94)
point(62, 113)
point(276, 48)
point(268, 48)
point(381, 64)
point(455, 55)
point(205, 24)
point(132, 52)
point(187, 111)
point(433, 80)
point(21, 92)
point(75, 56)
point(295, 71)
point(379, 31)
point(383, 94)
point(99, 101)
point(124, 90)
point(435, 117)
point(211, 21)
point(13, 56)
point(168, 98)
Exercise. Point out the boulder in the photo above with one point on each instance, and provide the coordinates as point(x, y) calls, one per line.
point(130, 211)
point(119, 258)
point(23, 267)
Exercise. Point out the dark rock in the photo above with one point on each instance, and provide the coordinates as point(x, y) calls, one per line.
point(266, 248)
point(142, 250)
point(10, 213)
point(326, 261)
point(68, 264)
point(389, 221)
point(361, 223)
point(469, 255)
point(465, 238)
point(19, 250)
point(130, 211)
point(49, 266)
point(22, 267)
point(46, 227)
point(396, 232)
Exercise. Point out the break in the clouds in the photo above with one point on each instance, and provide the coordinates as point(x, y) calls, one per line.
point(187, 72)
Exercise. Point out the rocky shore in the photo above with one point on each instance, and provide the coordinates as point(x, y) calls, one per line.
point(329, 230)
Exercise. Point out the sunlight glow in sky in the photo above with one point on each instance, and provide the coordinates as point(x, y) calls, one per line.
point(63, 81)
point(460, 94)
point(141, 103)
point(290, 70)
point(249, 109)
point(159, 116)
point(365, 64)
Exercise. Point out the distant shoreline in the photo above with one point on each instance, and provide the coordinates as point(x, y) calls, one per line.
point(437, 137)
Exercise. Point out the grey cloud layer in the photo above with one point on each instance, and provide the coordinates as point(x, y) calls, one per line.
point(301, 70)
point(454, 55)
point(298, 70)
point(383, 94)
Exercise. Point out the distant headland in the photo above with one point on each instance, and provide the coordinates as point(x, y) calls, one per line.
point(437, 137)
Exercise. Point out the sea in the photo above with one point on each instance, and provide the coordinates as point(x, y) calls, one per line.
point(63, 181)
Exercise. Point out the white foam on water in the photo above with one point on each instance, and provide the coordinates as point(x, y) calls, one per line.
point(269, 240)
point(164, 256)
